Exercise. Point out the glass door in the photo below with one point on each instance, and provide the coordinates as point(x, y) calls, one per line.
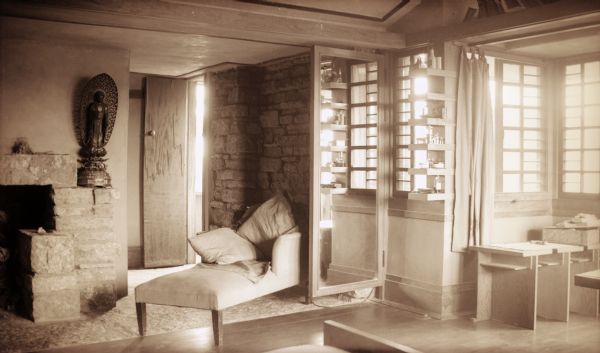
point(345, 242)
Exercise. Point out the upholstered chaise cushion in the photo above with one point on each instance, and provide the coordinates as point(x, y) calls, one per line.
point(205, 288)
point(272, 219)
point(222, 246)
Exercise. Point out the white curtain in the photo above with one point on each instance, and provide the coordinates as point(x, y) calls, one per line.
point(474, 176)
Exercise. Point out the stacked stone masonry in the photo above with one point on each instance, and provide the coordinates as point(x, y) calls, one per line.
point(87, 215)
point(260, 133)
point(78, 259)
point(235, 136)
point(47, 279)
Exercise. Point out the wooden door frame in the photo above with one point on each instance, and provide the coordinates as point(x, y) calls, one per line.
point(381, 204)
point(191, 172)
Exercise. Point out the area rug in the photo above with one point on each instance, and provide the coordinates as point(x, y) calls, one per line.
point(21, 335)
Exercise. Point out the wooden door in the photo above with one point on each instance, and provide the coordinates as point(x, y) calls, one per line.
point(165, 173)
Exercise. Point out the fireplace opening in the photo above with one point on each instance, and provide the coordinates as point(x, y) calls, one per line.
point(21, 207)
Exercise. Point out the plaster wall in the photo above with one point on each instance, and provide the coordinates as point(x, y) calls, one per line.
point(135, 131)
point(516, 229)
point(415, 249)
point(39, 83)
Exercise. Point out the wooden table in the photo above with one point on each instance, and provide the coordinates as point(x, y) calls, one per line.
point(516, 282)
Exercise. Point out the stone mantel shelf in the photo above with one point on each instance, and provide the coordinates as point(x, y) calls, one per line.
point(58, 170)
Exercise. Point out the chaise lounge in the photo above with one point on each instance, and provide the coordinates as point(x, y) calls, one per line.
point(215, 289)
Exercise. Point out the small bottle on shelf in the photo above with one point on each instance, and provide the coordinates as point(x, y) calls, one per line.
point(340, 117)
point(338, 76)
point(438, 184)
point(431, 59)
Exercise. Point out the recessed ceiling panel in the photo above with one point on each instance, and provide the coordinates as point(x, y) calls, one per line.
point(561, 44)
point(158, 53)
point(377, 10)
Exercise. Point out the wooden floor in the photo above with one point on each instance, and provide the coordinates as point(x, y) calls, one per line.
point(581, 334)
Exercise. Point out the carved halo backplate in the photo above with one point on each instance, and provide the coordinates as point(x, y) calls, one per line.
point(102, 82)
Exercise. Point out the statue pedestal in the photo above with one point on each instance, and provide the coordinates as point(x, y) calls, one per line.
point(93, 173)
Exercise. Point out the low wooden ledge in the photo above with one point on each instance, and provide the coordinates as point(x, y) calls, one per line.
point(589, 279)
point(501, 266)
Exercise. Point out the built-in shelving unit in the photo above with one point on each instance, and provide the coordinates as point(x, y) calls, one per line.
point(334, 129)
point(432, 130)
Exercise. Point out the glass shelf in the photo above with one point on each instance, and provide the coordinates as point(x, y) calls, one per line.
point(421, 72)
point(431, 120)
point(334, 85)
point(332, 190)
point(430, 147)
point(430, 171)
point(334, 105)
point(334, 169)
point(429, 197)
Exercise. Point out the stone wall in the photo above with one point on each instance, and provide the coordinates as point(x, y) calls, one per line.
point(235, 138)
point(285, 122)
point(259, 134)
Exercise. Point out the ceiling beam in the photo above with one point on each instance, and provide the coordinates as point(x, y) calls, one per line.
point(556, 16)
point(593, 30)
point(398, 15)
point(174, 17)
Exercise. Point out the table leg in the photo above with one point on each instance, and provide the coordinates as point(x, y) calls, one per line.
point(484, 287)
point(514, 299)
point(553, 287)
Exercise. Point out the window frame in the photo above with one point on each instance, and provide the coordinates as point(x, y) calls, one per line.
point(560, 119)
point(366, 125)
point(544, 129)
point(397, 102)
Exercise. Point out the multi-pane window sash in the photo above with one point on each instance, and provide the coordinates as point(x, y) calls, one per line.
point(520, 125)
point(581, 128)
point(402, 114)
point(363, 126)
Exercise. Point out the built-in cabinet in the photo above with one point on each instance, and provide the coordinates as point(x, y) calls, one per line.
point(346, 242)
point(376, 154)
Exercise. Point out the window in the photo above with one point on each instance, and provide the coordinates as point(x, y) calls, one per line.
point(581, 128)
point(402, 129)
point(363, 126)
point(199, 145)
point(520, 127)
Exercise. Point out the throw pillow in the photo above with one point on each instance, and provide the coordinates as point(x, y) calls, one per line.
point(270, 220)
point(222, 246)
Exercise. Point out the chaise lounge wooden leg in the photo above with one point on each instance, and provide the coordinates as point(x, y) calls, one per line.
point(217, 323)
point(140, 311)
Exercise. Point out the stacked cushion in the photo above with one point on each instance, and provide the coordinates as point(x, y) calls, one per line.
point(222, 246)
point(254, 238)
point(270, 220)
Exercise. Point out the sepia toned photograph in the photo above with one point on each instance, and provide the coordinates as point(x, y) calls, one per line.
point(299, 176)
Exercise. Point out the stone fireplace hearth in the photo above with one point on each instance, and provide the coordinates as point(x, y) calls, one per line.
point(70, 269)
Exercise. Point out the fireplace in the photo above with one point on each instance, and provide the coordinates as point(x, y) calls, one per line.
point(21, 207)
point(68, 266)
